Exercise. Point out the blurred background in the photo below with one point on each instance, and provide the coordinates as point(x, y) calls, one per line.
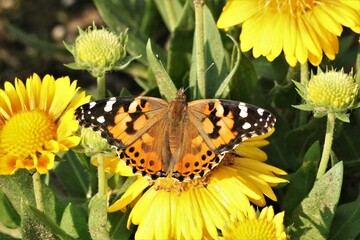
point(32, 35)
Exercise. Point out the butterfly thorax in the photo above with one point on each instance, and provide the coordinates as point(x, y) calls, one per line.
point(176, 117)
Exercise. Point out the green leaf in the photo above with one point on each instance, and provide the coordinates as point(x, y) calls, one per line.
point(166, 86)
point(302, 180)
point(304, 107)
point(98, 218)
point(313, 217)
point(9, 216)
point(181, 41)
point(73, 177)
point(343, 117)
point(19, 187)
point(243, 83)
point(170, 12)
point(226, 81)
point(346, 221)
point(74, 222)
point(118, 225)
point(36, 225)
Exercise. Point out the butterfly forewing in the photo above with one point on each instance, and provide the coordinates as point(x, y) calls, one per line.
point(225, 123)
point(121, 120)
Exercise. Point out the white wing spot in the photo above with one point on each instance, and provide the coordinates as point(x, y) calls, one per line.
point(243, 110)
point(246, 125)
point(92, 117)
point(260, 111)
point(101, 119)
point(109, 104)
point(92, 104)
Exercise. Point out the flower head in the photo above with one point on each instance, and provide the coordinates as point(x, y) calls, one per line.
point(198, 208)
point(249, 225)
point(37, 121)
point(302, 29)
point(332, 91)
point(99, 51)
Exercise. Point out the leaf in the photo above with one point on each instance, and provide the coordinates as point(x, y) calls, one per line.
point(243, 83)
point(19, 187)
point(118, 228)
point(304, 107)
point(181, 41)
point(313, 217)
point(9, 216)
point(170, 12)
point(74, 222)
point(302, 180)
point(346, 218)
point(226, 81)
point(36, 225)
point(98, 218)
point(166, 86)
point(73, 177)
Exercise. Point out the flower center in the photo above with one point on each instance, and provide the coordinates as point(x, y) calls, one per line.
point(170, 184)
point(26, 133)
point(292, 6)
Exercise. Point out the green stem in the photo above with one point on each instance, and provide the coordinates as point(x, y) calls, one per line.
point(101, 86)
point(101, 176)
point(304, 73)
point(304, 79)
point(39, 200)
point(330, 126)
point(199, 46)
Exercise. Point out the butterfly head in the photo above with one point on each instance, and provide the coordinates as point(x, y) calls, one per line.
point(180, 96)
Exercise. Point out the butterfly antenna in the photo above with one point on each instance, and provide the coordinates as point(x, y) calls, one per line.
point(209, 67)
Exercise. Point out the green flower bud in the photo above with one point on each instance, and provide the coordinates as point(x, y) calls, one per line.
point(99, 51)
point(332, 91)
point(94, 144)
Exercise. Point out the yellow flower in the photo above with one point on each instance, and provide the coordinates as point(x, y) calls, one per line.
point(247, 225)
point(197, 209)
point(37, 121)
point(302, 29)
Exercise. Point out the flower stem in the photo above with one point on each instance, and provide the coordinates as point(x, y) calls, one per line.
point(101, 176)
point(199, 46)
point(304, 73)
point(101, 86)
point(330, 126)
point(39, 200)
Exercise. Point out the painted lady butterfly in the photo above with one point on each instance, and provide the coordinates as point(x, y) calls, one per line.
point(182, 139)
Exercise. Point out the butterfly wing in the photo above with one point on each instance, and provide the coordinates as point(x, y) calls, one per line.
point(224, 123)
point(121, 120)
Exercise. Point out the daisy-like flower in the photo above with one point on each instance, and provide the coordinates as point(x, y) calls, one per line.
point(302, 29)
point(198, 208)
point(37, 121)
point(248, 225)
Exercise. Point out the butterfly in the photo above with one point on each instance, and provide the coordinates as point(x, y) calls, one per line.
point(178, 139)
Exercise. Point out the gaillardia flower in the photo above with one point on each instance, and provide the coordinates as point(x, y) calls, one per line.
point(247, 225)
point(166, 208)
point(302, 29)
point(37, 121)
